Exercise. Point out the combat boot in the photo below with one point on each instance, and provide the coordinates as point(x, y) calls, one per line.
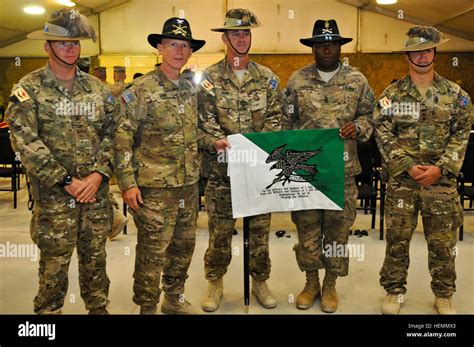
point(177, 304)
point(119, 222)
point(391, 304)
point(213, 296)
point(444, 305)
point(329, 299)
point(262, 292)
point(98, 311)
point(148, 309)
point(310, 292)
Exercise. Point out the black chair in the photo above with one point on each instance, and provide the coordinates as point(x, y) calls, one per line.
point(366, 181)
point(10, 165)
point(467, 176)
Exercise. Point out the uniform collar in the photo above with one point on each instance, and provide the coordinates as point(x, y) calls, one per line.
point(407, 85)
point(315, 74)
point(80, 79)
point(166, 83)
point(252, 73)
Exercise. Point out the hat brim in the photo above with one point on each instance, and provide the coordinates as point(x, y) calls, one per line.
point(154, 39)
point(312, 40)
point(422, 47)
point(41, 35)
point(226, 28)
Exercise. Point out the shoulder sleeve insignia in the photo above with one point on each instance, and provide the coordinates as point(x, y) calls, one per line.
point(464, 101)
point(206, 85)
point(127, 96)
point(385, 103)
point(273, 84)
point(21, 94)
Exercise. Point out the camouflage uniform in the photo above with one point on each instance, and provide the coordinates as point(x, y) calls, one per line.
point(117, 88)
point(226, 107)
point(157, 151)
point(437, 136)
point(315, 104)
point(51, 146)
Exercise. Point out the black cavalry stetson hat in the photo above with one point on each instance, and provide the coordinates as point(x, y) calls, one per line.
point(325, 31)
point(178, 29)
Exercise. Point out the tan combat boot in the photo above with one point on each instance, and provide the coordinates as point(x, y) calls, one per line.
point(310, 292)
point(263, 294)
point(391, 304)
point(329, 295)
point(148, 309)
point(213, 296)
point(177, 304)
point(444, 305)
point(119, 222)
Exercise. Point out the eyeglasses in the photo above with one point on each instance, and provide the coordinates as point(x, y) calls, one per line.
point(66, 44)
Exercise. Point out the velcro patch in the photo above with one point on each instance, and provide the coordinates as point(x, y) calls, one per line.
point(206, 85)
point(385, 103)
point(21, 94)
point(127, 96)
point(273, 84)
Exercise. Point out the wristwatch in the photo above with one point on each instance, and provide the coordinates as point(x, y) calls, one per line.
point(444, 172)
point(67, 180)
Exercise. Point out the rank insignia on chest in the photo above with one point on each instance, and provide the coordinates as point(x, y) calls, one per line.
point(127, 96)
point(385, 103)
point(273, 84)
point(21, 94)
point(206, 85)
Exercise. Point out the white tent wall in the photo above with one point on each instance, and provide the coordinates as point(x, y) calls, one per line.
point(124, 29)
point(34, 48)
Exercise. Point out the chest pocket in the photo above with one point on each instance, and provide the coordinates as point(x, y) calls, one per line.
point(442, 118)
point(258, 106)
point(163, 113)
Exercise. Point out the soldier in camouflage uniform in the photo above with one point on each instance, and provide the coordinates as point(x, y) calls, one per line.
point(101, 73)
point(157, 167)
point(235, 96)
point(61, 122)
point(328, 94)
point(119, 81)
point(119, 221)
point(422, 127)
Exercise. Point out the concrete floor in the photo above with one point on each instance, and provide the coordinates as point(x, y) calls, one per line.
point(359, 293)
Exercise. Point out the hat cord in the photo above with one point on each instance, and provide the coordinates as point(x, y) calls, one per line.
point(230, 42)
point(419, 65)
point(52, 49)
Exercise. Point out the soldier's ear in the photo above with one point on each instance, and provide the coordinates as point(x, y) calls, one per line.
point(47, 47)
point(224, 37)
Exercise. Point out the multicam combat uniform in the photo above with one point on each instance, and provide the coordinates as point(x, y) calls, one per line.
point(416, 130)
point(312, 103)
point(56, 133)
point(228, 106)
point(157, 151)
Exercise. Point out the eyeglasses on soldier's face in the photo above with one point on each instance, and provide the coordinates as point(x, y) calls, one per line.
point(66, 44)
